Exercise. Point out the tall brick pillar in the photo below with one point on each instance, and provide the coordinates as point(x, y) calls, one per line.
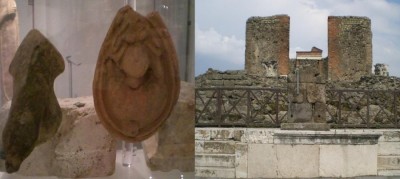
point(267, 40)
point(349, 47)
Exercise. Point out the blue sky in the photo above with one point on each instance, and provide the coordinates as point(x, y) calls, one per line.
point(220, 28)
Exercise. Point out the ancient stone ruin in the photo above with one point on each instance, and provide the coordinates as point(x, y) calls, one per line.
point(267, 40)
point(35, 114)
point(8, 46)
point(348, 66)
point(381, 69)
point(267, 51)
point(349, 47)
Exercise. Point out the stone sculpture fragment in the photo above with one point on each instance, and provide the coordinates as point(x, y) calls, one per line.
point(136, 83)
point(35, 114)
point(8, 45)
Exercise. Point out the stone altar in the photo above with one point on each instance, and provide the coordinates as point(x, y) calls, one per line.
point(306, 95)
point(136, 82)
point(35, 114)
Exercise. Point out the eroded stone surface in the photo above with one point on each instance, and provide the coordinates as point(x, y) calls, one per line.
point(267, 40)
point(349, 47)
point(172, 147)
point(136, 82)
point(9, 39)
point(82, 147)
point(35, 114)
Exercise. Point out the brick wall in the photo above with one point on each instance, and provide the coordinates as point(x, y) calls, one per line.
point(267, 39)
point(349, 47)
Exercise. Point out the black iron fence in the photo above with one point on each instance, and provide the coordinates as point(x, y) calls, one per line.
point(267, 107)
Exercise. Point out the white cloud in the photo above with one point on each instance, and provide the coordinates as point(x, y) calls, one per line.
point(211, 42)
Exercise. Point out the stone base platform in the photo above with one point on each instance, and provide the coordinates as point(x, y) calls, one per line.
point(276, 153)
point(305, 126)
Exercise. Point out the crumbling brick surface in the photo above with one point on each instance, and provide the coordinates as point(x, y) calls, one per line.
point(349, 47)
point(267, 39)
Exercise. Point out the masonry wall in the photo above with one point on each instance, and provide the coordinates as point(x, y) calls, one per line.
point(267, 39)
point(349, 47)
point(255, 153)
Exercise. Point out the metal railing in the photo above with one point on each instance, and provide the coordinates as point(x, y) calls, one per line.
point(267, 107)
point(245, 107)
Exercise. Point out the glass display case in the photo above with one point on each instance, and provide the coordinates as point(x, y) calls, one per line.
point(77, 29)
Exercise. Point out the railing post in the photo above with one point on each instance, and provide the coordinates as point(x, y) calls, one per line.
point(368, 93)
point(196, 119)
point(219, 104)
point(248, 108)
point(340, 107)
point(395, 108)
point(277, 108)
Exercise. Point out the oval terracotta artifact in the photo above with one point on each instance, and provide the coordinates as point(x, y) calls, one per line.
point(136, 82)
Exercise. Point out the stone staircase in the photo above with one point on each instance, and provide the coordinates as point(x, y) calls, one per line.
point(220, 153)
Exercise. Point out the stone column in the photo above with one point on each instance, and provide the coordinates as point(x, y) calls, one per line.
point(349, 47)
point(267, 39)
point(306, 95)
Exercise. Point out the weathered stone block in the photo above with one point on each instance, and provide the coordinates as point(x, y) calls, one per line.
point(292, 93)
point(215, 76)
point(390, 135)
point(259, 136)
point(389, 162)
point(219, 147)
point(319, 113)
point(215, 82)
point(226, 134)
point(316, 93)
point(394, 173)
point(307, 74)
point(300, 112)
point(35, 114)
point(330, 137)
point(349, 47)
point(215, 160)
point(262, 161)
point(347, 160)
point(305, 126)
point(243, 82)
point(82, 147)
point(232, 77)
point(202, 134)
point(199, 146)
point(389, 148)
point(297, 161)
point(241, 160)
point(214, 172)
point(229, 83)
point(267, 39)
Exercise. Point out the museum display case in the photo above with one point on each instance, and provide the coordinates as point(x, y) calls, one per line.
point(83, 145)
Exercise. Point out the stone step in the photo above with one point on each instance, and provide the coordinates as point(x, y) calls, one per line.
point(389, 162)
point(215, 147)
point(215, 160)
point(388, 148)
point(388, 172)
point(215, 172)
point(219, 134)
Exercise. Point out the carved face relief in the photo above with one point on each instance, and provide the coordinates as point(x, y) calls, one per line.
point(136, 82)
